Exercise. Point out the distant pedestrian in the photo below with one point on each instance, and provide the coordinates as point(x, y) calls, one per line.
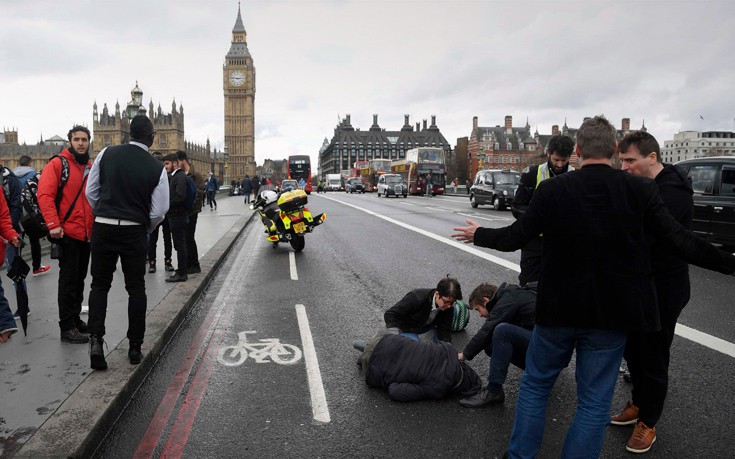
point(153, 238)
point(192, 251)
point(123, 216)
point(178, 215)
point(27, 175)
point(454, 186)
point(69, 221)
point(247, 188)
point(429, 185)
point(468, 185)
point(212, 188)
point(256, 186)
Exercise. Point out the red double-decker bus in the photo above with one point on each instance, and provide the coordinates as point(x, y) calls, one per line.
point(299, 167)
point(419, 163)
point(376, 168)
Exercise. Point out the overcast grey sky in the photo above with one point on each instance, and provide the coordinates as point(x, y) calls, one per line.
point(668, 62)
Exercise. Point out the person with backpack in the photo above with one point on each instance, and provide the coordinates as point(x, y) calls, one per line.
point(191, 244)
point(178, 215)
point(12, 192)
point(123, 217)
point(69, 219)
point(28, 179)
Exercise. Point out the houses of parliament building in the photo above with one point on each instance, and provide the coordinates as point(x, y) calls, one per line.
point(112, 127)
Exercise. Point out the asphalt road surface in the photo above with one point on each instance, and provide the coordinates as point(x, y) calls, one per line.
point(290, 386)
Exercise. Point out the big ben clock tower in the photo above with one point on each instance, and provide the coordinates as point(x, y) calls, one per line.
point(238, 75)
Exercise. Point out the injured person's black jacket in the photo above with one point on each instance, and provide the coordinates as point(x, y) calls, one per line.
point(412, 370)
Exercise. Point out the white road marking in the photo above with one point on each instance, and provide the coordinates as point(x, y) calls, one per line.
point(292, 263)
point(479, 217)
point(706, 340)
point(445, 240)
point(319, 408)
point(691, 334)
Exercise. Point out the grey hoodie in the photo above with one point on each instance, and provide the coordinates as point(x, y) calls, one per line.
point(24, 173)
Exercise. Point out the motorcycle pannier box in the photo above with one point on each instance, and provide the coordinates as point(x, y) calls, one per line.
point(292, 200)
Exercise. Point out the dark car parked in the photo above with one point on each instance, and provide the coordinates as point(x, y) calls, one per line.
point(354, 185)
point(713, 182)
point(496, 187)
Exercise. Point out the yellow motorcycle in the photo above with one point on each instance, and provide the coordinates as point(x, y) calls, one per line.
point(286, 217)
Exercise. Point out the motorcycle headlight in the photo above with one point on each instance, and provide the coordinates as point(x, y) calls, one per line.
point(505, 192)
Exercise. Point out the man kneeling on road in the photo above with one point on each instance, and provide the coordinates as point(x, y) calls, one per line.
point(426, 309)
point(510, 311)
point(416, 370)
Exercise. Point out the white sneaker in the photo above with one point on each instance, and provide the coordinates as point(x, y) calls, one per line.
point(85, 309)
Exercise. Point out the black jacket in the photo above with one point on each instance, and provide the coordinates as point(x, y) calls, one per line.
point(412, 370)
point(413, 310)
point(514, 305)
point(247, 186)
point(178, 188)
point(596, 272)
point(676, 192)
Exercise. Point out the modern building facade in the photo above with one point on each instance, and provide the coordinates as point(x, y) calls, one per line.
point(697, 144)
point(349, 145)
point(238, 80)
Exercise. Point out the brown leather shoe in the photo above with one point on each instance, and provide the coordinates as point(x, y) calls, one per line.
point(642, 438)
point(628, 416)
point(74, 337)
point(151, 266)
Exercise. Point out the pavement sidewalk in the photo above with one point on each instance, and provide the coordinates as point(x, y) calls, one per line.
point(52, 403)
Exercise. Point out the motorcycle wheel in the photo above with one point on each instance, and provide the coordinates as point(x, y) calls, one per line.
point(298, 242)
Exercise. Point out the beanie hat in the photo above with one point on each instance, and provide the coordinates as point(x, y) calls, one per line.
point(460, 316)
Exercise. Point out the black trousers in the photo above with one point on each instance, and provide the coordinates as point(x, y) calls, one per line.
point(72, 271)
point(178, 234)
point(648, 353)
point(128, 244)
point(191, 244)
point(35, 249)
point(153, 241)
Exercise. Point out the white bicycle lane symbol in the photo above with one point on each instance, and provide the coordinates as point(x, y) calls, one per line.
point(282, 354)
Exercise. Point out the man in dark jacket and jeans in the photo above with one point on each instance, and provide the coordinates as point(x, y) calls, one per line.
point(415, 370)
point(593, 292)
point(647, 353)
point(510, 311)
point(426, 309)
point(178, 215)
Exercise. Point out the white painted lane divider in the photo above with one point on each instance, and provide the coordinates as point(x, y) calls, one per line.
point(319, 407)
point(445, 240)
point(292, 263)
point(706, 340)
point(691, 334)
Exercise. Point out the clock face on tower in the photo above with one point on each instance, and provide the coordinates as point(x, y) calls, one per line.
point(237, 78)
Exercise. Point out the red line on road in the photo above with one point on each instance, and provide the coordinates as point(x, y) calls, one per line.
point(174, 390)
point(185, 420)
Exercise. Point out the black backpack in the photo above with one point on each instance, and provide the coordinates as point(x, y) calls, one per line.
point(32, 220)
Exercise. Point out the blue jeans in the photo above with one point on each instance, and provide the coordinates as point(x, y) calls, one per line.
point(599, 353)
point(510, 344)
point(6, 315)
point(415, 334)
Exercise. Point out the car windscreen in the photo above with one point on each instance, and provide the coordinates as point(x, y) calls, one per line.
point(393, 179)
point(505, 178)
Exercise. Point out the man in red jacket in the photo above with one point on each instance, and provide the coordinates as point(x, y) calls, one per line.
point(69, 220)
point(7, 322)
